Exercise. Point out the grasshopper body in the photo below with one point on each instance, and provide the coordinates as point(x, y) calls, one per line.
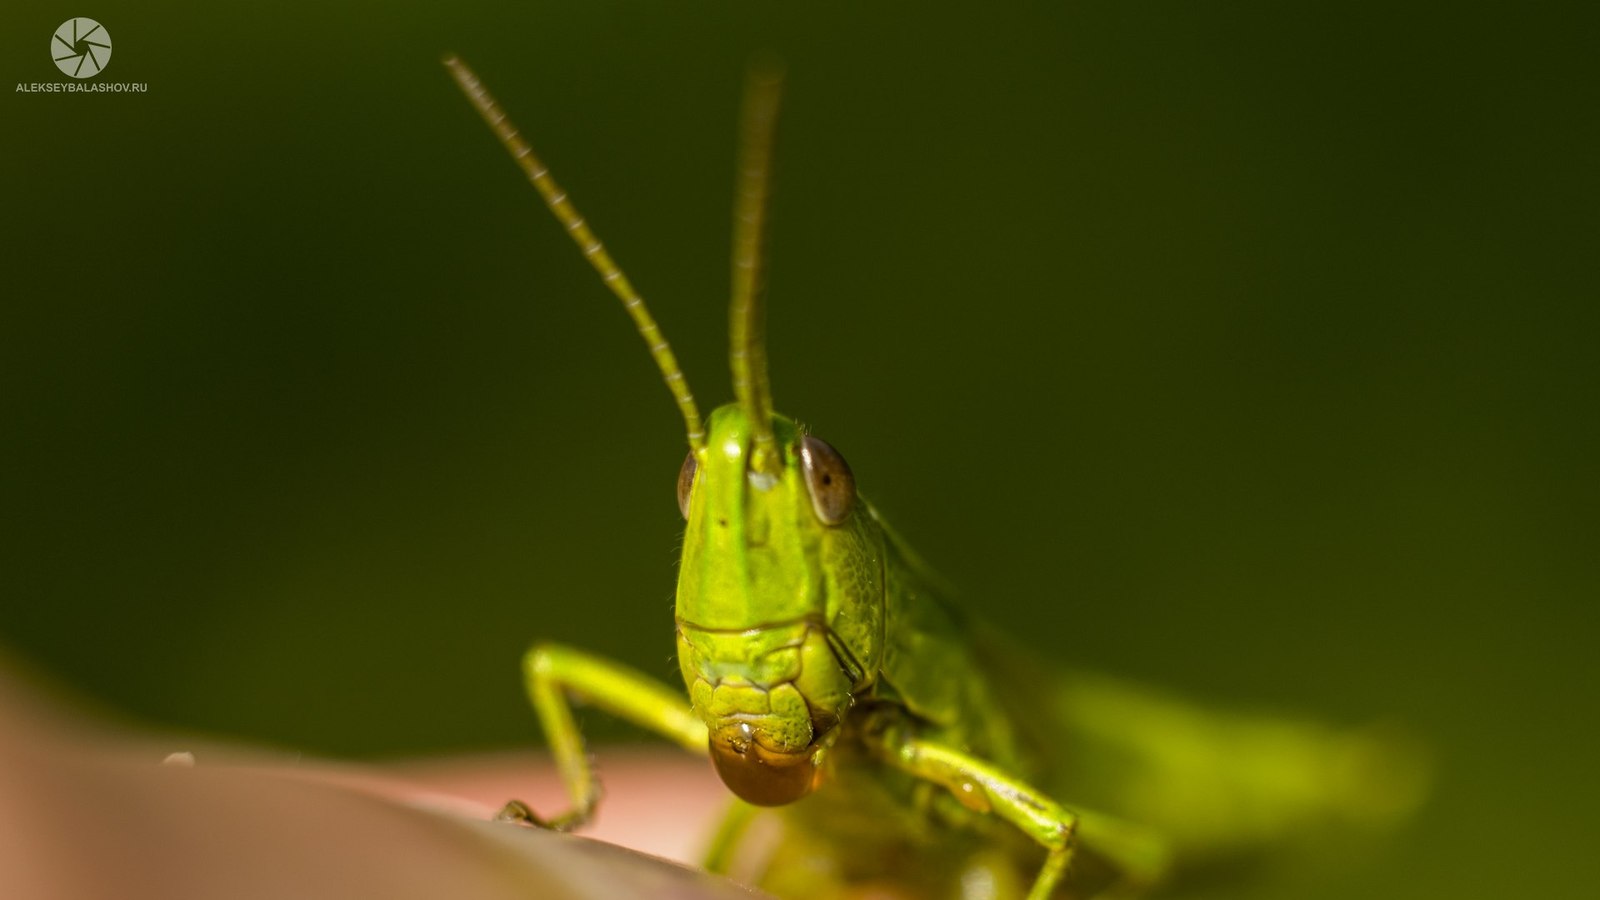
point(907, 747)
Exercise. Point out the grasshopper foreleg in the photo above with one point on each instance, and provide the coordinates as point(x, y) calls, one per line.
point(983, 787)
point(554, 674)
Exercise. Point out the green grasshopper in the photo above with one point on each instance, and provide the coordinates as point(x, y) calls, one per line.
point(910, 748)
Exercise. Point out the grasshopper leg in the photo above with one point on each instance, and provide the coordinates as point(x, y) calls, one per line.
point(554, 675)
point(735, 823)
point(983, 787)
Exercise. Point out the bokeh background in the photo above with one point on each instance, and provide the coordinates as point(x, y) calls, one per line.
point(1248, 350)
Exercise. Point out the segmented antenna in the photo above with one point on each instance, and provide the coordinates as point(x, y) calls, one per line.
point(747, 312)
point(593, 250)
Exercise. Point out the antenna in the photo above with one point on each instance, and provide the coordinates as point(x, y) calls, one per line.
point(747, 313)
point(593, 250)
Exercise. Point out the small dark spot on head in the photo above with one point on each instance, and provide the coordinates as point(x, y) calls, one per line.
point(723, 522)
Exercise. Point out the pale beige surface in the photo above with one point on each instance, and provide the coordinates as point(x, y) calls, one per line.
point(90, 811)
point(658, 801)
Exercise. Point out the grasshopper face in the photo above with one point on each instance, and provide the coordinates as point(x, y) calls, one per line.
point(781, 590)
point(780, 604)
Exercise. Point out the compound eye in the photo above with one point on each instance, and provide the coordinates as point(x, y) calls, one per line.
point(828, 479)
point(686, 483)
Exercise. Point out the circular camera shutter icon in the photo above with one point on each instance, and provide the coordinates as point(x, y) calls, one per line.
point(81, 47)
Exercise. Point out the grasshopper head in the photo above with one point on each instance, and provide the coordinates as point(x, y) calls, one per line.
point(780, 595)
point(780, 602)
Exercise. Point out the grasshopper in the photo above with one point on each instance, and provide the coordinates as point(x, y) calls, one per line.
point(910, 748)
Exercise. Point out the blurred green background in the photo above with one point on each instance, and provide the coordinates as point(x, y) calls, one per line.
point(1249, 351)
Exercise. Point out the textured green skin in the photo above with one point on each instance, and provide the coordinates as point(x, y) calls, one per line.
point(761, 577)
point(755, 556)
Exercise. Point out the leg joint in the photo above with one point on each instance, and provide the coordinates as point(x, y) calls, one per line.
point(1062, 833)
point(541, 659)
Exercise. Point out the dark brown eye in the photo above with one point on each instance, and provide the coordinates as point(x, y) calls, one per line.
point(828, 478)
point(686, 483)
